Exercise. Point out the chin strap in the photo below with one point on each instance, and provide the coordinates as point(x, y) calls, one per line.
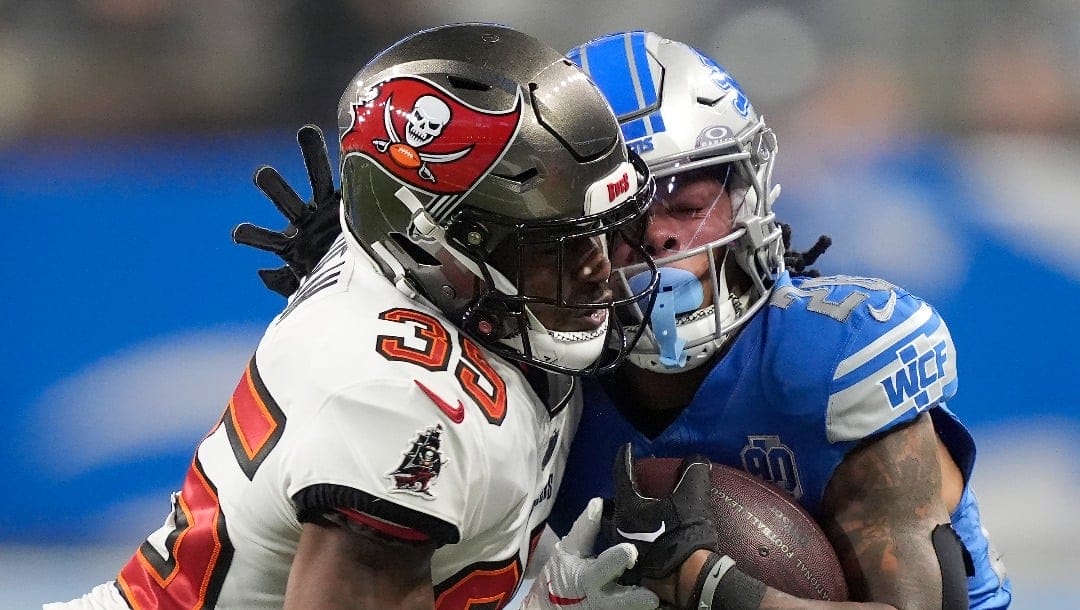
point(679, 292)
point(571, 350)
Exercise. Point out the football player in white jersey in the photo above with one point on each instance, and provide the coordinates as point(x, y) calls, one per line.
point(833, 388)
point(397, 437)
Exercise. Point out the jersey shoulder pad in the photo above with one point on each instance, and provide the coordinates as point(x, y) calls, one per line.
point(883, 354)
point(366, 377)
point(396, 449)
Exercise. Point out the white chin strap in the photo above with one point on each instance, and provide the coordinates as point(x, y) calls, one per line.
point(574, 350)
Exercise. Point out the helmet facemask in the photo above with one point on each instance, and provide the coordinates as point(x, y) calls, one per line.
point(552, 302)
point(509, 282)
point(715, 267)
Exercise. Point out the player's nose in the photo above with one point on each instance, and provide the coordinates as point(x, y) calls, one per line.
point(661, 235)
point(596, 267)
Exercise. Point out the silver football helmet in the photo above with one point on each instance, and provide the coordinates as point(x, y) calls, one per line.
point(712, 230)
point(485, 173)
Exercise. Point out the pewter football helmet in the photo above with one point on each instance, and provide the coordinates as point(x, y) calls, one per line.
point(687, 117)
point(471, 151)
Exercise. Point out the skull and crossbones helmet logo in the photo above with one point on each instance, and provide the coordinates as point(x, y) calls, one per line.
point(427, 120)
point(423, 124)
point(426, 136)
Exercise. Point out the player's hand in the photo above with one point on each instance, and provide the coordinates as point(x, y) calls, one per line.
point(666, 531)
point(312, 227)
point(575, 579)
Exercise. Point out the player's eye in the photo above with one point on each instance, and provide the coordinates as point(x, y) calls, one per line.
point(688, 212)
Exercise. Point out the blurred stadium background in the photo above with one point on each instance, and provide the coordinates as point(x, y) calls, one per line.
point(938, 143)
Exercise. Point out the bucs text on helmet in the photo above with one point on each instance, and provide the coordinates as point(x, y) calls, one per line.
point(690, 121)
point(480, 169)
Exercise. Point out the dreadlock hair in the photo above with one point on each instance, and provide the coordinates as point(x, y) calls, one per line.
point(797, 261)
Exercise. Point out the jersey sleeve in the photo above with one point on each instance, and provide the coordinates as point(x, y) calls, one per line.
point(873, 354)
point(382, 455)
point(892, 368)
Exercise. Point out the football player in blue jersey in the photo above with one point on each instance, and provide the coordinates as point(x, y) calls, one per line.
point(833, 388)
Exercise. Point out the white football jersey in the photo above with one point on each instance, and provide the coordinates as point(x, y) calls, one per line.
point(363, 401)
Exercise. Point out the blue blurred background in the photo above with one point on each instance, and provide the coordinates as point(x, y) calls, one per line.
point(937, 143)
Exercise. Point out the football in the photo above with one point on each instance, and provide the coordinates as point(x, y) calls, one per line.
point(769, 536)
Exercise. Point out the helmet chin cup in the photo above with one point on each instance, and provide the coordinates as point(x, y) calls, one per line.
point(569, 350)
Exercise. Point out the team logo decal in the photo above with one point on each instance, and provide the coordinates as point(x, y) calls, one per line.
point(726, 82)
point(421, 465)
point(426, 137)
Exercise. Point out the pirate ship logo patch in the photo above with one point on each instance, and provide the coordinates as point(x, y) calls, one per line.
point(420, 466)
point(428, 138)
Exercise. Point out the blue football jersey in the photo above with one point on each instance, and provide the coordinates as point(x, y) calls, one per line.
point(828, 362)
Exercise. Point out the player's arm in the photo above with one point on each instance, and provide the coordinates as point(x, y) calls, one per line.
point(682, 568)
point(361, 546)
point(350, 566)
point(885, 514)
